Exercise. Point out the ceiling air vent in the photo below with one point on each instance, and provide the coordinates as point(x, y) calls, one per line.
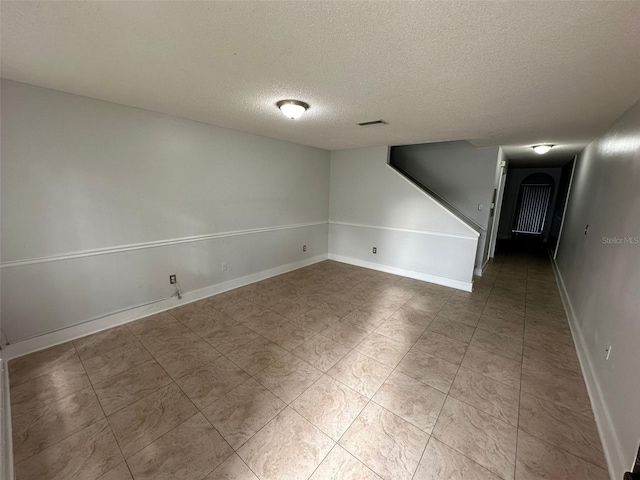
point(373, 122)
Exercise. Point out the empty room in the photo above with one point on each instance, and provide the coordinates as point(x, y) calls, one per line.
point(319, 240)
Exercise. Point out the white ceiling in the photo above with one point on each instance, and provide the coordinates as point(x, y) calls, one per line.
point(494, 73)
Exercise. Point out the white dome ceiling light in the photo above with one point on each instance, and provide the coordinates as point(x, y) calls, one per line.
point(542, 149)
point(292, 108)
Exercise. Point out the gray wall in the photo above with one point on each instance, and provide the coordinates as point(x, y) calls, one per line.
point(372, 205)
point(79, 175)
point(463, 175)
point(602, 281)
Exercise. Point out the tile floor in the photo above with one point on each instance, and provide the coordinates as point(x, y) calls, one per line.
point(328, 372)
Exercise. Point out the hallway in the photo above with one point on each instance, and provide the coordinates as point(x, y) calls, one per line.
point(330, 371)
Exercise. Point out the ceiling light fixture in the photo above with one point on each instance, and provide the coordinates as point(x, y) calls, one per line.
point(542, 149)
point(292, 108)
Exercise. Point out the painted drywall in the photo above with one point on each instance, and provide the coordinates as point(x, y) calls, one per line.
point(463, 175)
point(79, 175)
point(600, 273)
point(515, 177)
point(373, 205)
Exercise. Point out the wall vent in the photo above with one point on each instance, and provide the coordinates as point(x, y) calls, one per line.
point(373, 122)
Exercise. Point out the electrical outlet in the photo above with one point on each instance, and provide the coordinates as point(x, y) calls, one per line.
point(304, 248)
point(224, 266)
point(173, 279)
point(375, 249)
point(608, 351)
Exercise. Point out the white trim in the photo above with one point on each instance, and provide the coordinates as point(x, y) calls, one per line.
point(406, 230)
point(41, 342)
point(425, 277)
point(566, 204)
point(155, 244)
point(610, 444)
point(431, 198)
point(5, 423)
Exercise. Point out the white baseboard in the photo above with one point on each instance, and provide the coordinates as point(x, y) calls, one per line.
point(610, 444)
point(41, 342)
point(447, 282)
point(6, 443)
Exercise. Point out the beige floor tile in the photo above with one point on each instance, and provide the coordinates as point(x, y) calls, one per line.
point(264, 321)
point(42, 362)
point(512, 327)
point(341, 465)
point(192, 450)
point(126, 387)
point(486, 394)
point(298, 446)
point(411, 400)
point(317, 319)
point(256, 355)
point(469, 304)
point(288, 377)
point(103, 366)
point(366, 318)
point(86, 455)
point(185, 312)
point(321, 352)
point(452, 329)
point(363, 374)
point(411, 316)
point(233, 468)
point(146, 420)
point(155, 325)
point(383, 349)
point(162, 341)
point(43, 427)
point(230, 337)
point(494, 366)
point(345, 333)
point(430, 370)
point(440, 462)
point(41, 390)
point(239, 414)
point(206, 384)
point(240, 310)
point(206, 323)
point(290, 309)
point(559, 387)
point(103, 342)
point(460, 314)
point(121, 472)
point(177, 363)
point(290, 336)
point(509, 347)
point(539, 460)
point(499, 311)
point(400, 330)
point(387, 444)
point(330, 405)
point(441, 346)
point(559, 426)
point(522, 345)
point(481, 437)
point(425, 305)
point(339, 308)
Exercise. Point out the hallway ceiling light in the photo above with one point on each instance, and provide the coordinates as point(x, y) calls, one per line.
point(542, 149)
point(292, 108)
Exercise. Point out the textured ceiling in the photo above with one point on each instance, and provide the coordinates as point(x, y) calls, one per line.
point(494, 73)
